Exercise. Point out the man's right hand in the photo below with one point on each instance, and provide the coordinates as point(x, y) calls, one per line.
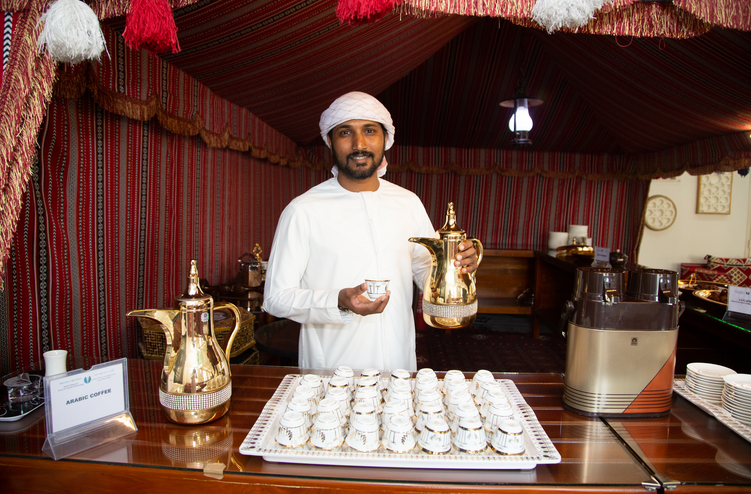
point(354, 300)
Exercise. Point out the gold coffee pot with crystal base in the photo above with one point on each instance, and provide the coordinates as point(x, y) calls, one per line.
point(449, 298)
point(195, 386)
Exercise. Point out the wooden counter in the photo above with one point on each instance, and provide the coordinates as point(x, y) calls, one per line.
point(597, 456)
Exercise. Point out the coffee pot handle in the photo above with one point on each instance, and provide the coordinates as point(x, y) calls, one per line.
point(238, 320)
point(478, 248)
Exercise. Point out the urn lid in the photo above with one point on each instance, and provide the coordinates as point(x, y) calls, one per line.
point(193, 296)
point(450, 228)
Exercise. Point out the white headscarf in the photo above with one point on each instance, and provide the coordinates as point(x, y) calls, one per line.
point(357, 106)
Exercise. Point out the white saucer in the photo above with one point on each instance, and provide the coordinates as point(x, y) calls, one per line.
point(709, 371)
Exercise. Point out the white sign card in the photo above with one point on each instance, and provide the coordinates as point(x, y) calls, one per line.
point(86, 396)
point(739, 299)
point(602, 254)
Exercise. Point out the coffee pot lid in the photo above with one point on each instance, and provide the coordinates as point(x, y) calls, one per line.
point(193, 294)
point(450, 227)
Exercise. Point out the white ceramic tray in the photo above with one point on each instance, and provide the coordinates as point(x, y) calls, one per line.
point(260, 442)
point(713, 408)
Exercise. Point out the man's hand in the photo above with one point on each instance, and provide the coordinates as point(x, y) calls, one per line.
point(354, 300)
point(467, 257)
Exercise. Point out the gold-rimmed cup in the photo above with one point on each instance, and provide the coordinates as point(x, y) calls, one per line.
point(435, 437)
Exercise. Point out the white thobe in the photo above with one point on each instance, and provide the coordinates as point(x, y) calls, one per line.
point(330, 238)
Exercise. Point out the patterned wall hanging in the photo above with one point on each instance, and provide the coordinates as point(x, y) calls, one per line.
point(713, 196)
point(659, 213)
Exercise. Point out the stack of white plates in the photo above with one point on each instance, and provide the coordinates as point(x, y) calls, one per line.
point(736, 397)
point(706, 380)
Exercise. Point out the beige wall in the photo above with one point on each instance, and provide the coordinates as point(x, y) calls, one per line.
point(693, 236)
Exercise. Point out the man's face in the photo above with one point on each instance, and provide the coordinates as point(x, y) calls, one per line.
point(358, 147)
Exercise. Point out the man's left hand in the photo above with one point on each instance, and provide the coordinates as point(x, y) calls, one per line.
point(467, 257)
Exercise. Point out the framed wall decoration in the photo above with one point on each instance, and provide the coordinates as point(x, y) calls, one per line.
point(713, 195)
point(659, 213)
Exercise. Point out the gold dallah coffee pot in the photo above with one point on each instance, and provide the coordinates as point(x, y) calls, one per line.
point(449, 298)
point(195, 386)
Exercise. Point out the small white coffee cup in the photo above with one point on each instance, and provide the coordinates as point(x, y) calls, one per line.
point(306, 392)
point(341, 397)
point(508, 438)
point(480, 377)
point(392, 409)
point(375, 374)
point(496, 414)
point(470, 436)
point(465, 410)
point(348, 374)
point(301, 406)
point(426, 412)
point(315, 383)
point(369, 396)
point(399, 437)
point(55, 362)
point(292, 432)
point(339, 382)
point(377, 288)
point(329, 405)
point(435, 437)
point(363, 434)
point(326, 433)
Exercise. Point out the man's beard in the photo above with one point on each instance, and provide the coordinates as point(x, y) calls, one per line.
point(359, 172)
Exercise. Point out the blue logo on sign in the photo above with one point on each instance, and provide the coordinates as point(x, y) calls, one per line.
point(87, 379)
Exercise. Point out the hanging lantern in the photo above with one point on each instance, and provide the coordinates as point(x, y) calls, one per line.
point(521, 121)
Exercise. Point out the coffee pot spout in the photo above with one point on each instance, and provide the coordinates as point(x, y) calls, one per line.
point(166, 319)
point(434, 245)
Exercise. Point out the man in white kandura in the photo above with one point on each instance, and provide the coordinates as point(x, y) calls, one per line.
point(352, 227)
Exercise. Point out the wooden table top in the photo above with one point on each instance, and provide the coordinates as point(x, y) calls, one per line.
point(688, 447)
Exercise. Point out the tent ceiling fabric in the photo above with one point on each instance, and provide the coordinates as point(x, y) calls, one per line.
point(443, 78)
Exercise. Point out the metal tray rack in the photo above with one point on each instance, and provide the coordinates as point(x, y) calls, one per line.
point(260, 442)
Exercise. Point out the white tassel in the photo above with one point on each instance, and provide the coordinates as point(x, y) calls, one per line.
point(71, 32)
point(555, 14)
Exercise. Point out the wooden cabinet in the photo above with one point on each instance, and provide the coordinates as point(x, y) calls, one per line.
point(554, 285)
point(503, 276)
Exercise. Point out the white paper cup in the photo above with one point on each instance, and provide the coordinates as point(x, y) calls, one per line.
point(576, 231)
point(55, 362)
point(557, 239)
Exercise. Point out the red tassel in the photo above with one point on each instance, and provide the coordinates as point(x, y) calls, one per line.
point(151, 25)
point(364, 11)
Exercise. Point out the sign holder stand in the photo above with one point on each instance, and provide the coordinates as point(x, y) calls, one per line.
point(71, 437)
point(739, 307)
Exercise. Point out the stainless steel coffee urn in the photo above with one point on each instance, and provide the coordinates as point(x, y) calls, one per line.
point(621, 344)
